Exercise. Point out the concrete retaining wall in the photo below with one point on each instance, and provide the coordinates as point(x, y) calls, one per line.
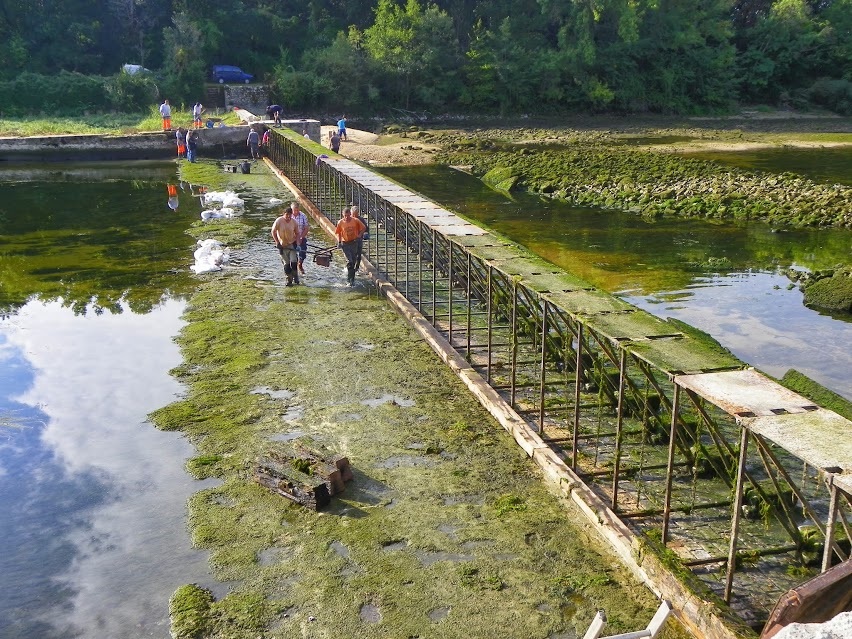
point(229, 141)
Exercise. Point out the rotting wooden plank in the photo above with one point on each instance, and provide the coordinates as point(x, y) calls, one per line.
point(494, 252)
point(459, 229)
point(588, 303)
point(636, 325)
point(682, 355)
point(483, 242)
point(422, 205)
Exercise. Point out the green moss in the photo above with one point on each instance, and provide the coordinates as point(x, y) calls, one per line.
point(190, 612)
point(587, 172)
point(509, 503)
point(817, 393)
point(831, 293)
point(203, 466)
point(705, 339)
point(502, 178)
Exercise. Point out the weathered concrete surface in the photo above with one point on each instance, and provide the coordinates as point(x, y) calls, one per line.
point(311, 128)
point(227, 141)
point(218, 142)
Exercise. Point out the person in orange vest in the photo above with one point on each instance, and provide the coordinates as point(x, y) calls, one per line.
point(349, 231)
point(171, 189)
point(180, 136)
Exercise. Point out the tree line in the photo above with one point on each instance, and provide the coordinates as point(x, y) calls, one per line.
point(503, 57)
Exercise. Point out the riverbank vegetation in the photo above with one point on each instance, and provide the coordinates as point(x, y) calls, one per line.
point(656, 184)
point(115, 123)
point(526, 56)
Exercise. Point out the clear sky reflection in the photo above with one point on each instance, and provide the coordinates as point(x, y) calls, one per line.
point(94, 496)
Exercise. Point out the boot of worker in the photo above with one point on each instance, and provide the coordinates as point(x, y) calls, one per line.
point(295, 269)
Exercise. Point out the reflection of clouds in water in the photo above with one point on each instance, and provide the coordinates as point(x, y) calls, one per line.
point(765, 326)
point(96, 378)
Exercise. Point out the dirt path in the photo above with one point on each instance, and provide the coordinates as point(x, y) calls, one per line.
point(364, 146)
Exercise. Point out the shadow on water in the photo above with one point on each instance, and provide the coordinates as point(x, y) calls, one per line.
point(726, 279)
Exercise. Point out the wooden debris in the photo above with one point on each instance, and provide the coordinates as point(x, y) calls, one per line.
point(304, 471)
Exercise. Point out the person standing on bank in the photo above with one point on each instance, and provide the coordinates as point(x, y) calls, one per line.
point(302, 237)
point(197, 110)
point(334, 141)
point(253, 143)
point(349, 229)
point(180, 136)
point(285, 230)
point(191, 145)
point(356, 214)
point(273, 112)
point(341, 128)
point(166, 113)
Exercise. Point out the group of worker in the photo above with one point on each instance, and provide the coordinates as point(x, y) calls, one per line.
point(290, 234)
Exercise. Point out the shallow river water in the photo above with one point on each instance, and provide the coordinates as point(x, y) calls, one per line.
point(93, 497)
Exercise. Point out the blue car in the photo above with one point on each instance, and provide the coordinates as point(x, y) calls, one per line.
point(223, 73)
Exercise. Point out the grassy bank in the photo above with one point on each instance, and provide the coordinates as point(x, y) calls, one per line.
point(98, 124)
point(447, 529)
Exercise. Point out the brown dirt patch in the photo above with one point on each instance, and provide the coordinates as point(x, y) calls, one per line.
point(364, 146)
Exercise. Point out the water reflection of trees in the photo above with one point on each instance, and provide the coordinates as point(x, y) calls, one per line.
point(97, 247)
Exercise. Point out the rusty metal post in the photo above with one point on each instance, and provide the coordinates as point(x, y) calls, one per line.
point(490, 326)
point(396, 247)
point(622, 368)
point(670, 464)
point(469, 306)
point(578, 378)
point(542, 368)
point(434, 273)
point(735, 523)
point(407, 258)
point(420, 267)
point(385, 234)
point(514, 338)
point(829, 525)
point(450, 294)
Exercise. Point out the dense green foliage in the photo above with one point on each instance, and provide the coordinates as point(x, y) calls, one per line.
point(527, 56)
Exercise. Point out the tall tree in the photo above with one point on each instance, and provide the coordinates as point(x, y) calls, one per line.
point(184, 68)
point(415, 43)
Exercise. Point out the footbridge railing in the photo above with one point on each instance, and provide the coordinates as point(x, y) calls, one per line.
point(747, 482)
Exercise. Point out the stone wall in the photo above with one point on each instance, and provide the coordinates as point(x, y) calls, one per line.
point(251, 97)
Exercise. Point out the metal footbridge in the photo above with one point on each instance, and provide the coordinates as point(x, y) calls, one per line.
point(685, 457)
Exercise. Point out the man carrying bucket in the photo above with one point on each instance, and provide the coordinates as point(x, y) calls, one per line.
point(349, 231)
point(285, 232)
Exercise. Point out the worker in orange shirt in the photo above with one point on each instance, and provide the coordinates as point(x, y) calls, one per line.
point(349, 231)
point(285, 232)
